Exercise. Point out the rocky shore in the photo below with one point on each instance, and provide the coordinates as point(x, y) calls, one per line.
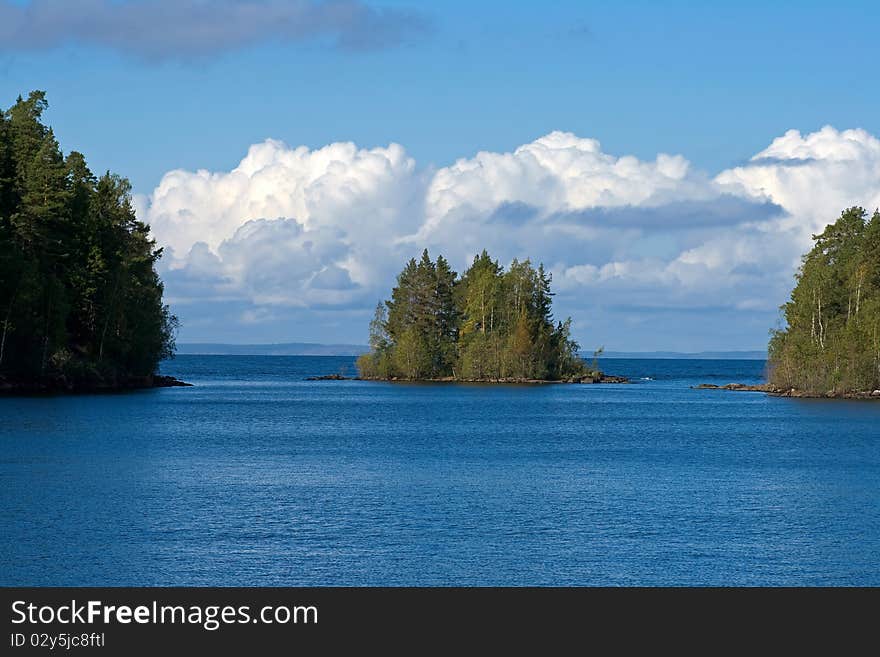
point(776, 391)
point(63, 385)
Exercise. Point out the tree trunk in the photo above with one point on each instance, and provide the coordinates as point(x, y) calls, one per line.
point(859, 295)
point(6, 321)
point(107, 320)
point(46, 336)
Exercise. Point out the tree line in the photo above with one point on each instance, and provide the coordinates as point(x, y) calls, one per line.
point(80, 299)
point(487, 324)
point(832, 339)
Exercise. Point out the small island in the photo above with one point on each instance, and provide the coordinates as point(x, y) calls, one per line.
point(490, 325)
point(81, 304)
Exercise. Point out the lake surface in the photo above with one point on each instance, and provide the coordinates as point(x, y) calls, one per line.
point(257, 477)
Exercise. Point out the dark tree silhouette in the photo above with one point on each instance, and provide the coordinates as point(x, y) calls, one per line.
point(80, 300)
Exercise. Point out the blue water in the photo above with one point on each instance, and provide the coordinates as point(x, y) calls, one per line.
point(257, 477)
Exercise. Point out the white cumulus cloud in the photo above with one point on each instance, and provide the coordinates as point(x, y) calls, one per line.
point(557, 173)
point(287, 220)
point(814, 176)
point(324, 231)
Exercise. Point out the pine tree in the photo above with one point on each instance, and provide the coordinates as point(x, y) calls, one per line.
point(80, 299)
point(487, 325)
point(831, 341)
point(447, 317)
point(400, 313)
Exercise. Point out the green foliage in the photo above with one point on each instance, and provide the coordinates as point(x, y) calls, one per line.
point(411, 356)
point(486, 325)
point(831, 342)
point(79, 293)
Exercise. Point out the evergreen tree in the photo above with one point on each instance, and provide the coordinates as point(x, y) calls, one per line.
point(80, 299)
point(7, 168)
point(831, 341)
point(487, 325)
point(379, 338)
point(447, 316)
point(400, 306)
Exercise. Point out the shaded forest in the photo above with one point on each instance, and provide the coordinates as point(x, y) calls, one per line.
point(831, 343)
point(487, 324)
point(80, 301)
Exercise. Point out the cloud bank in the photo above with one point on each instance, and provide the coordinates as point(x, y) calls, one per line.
point(162, 29)
point(300, 244)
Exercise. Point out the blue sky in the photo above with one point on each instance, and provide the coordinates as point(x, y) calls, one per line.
point(713, 82)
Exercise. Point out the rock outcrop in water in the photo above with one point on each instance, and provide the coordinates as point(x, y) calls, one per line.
point(763, 387)
point(776, 391)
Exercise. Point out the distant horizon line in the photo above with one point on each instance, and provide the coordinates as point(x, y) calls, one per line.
point(351, 349)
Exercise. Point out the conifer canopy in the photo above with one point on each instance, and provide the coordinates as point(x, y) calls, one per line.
point(80, 299)
point(488, 324)
point(831, 342)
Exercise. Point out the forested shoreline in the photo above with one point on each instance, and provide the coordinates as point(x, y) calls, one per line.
point(81, 304)
point(830, 346)
point(80, 301)
point(489, 324)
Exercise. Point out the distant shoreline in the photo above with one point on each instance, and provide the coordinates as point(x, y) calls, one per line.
point(273, 349)
point(354, 350)
point(586, 380)
point(675, 355)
